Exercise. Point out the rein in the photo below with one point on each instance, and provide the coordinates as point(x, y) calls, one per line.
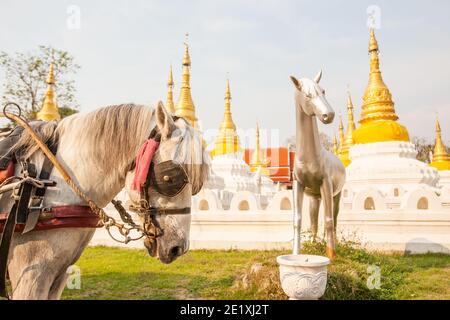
point(149, 229)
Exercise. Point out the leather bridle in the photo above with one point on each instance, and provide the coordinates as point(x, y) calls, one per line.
point(167, 178)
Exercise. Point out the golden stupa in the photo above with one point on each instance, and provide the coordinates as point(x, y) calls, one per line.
point(49, 111)
point(378, 119)
point(227, 141)
point(259, 161)
point(169, 103)
point(441, 158)
point(347, 143)
point(185, 106)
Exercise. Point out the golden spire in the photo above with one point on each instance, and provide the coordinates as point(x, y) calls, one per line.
point(441, 158)
point(341, 132)
point(227, 141)
point(378, 117)
point(185, 106)
point(169, 104)
point(259, 160)
point(335, 145)
point(348, 140)
point(49, 109)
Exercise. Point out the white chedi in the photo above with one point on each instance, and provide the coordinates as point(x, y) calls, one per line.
point(235, 174)
point(382, 165)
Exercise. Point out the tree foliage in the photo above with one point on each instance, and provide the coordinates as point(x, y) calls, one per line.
point(423, 149)
point(25, 75)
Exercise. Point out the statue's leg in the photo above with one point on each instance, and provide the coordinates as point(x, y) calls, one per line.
point(336, 202)
point(314, 205)
point(298, 216)
point(327, 198)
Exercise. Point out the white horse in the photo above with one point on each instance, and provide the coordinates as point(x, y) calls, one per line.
point(318, 172)
point(99, 150)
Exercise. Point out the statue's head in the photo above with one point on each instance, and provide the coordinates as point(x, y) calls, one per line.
point(310, 97)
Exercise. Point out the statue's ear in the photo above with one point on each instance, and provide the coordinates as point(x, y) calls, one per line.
point(296, 83)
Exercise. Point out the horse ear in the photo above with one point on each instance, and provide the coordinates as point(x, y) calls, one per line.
point(164, 121)
point(297, 83)
point(318, 77)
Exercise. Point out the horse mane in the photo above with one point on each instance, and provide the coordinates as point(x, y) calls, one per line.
point(118, 128)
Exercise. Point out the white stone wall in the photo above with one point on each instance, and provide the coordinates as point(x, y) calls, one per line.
point(246, 226)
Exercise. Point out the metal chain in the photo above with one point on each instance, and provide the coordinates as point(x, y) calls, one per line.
point(106, 220)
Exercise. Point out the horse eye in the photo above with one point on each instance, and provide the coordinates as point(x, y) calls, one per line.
point(323, 92)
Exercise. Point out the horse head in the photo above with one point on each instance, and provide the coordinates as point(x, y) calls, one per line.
point(310, 97)
point(182, 157)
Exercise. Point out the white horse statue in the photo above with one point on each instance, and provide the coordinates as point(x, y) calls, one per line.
point(99, 149)
point(318, 172)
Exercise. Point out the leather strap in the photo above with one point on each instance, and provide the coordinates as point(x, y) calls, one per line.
point(7, 234)
point(16, 215)
point(46, 170)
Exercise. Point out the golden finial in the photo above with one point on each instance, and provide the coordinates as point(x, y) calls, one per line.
point(335, 145)
point(185, 106)
point(227, 141)
point(49, 109)
point(441, 158)
point(378, 117)
point(341, 132)
point(259, 161)
point(169, 103)
point(348, 139)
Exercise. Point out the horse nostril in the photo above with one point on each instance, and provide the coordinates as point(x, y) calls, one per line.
point(176, 251)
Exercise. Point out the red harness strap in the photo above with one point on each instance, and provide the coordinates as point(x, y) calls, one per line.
point(61, 217)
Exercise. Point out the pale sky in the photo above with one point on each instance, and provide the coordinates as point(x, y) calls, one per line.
point(125, 49)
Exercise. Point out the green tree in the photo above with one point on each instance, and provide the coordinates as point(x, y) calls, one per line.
point(25, 75)
point(423, 149)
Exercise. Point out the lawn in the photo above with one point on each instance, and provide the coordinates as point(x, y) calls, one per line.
point(112, 273)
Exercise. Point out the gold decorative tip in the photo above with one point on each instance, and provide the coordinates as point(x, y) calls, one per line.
point(378, 117)
point(170, 80)
point(169, 102)
point(441, 158)
point(335, 145)
point(49, 111)
point(185, 106)
point(227, 141)
point(51, 75)
point(186, 57)
point(348, 142)
point(259, 161)
point(373, 43)
point(341, 131)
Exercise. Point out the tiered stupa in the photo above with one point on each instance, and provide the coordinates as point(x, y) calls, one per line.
point(348, 142)
point(228, 159)
point(169, 102)
point(185, 106)
point(259, 161)
point(441, 160)
point(49, 111)
point(259, 165)
point(383, 157)
point(227, 141)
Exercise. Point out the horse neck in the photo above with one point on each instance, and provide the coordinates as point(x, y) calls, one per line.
point(307, 137)
point(99, 171)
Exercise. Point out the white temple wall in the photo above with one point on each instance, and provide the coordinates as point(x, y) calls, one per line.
point(413, 230)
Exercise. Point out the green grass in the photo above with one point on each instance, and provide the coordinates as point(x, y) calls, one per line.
point(112, 273)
